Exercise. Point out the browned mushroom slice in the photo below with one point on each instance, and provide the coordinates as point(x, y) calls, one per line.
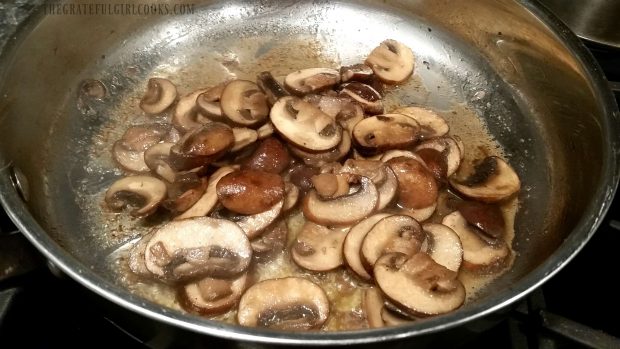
point(207, 201)
point(431, 124)
point(444, 245)
point(291, 196)
point(486, 217)
point(396, 233)
point(417, 187)
point(208, 102)
point(449, 149)
point(344, 110)
point(255, 224)
point(420, 214)
point(493, 180)
point(318, 248)
point(129, 150)
point(160, 94)
point(211, 296)
point(270, 156)
point(380, 174)
point(321, 158)
point(243, 103)
point(194, 248)
point(478, 253)
point(301, 175)
point(384, 132)
point(365, 95)
point(137, 264)
point(343, 210)
point(185, 115)
point(329, 185)
point(392, 319)
point(356, 72)
point(372, 303)
point(157, 159)
point(418, 285)
point(145, 193)
point(185, 191)
point(391, 61)
point(293, 304)
point(272, 88)
point(311, 80)
point(201, 146)
point(250, 191)
point(243, 137)
point(435, 162)
point(305, 125)
point(353, 244)
point(271, 242)
point(396, 153)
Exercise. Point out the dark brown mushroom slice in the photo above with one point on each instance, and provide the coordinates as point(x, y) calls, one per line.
point(157, 158)
point(208, 102)
point(418, 285)
point(311, 80)
point(145, 193)
point(191, 249)
point(129, 150)
point(136, 261)
point(444, 245)
point(186, 116)
point(343, 210)
point(255, 224)
point(212, 296)
point(319, 159)
point(493, 180)
point(305, 125)
point(356, 72)
point(160, 94)
point(208, 200)
point(365, 95)
point(271, 242)
point(270, 156)
point(250, 191)
point(432, 125)
point(449, 149)
point(478, 254)
point(301, 175)
point(372, 304)
point(271, 87)
point(185, 191)
point(318, 248)
point(486, 217)
point(292, 303)
point(384, 132)
point(353, 245)
point(391, 61)
point(435, 162)
point(417, 187)
point(396, 233)
point(244, 103)
point(201, 146)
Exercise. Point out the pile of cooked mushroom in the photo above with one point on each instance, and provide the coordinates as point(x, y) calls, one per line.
point(238, 159)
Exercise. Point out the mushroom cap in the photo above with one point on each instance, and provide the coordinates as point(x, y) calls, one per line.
point(291, 303)
point(270, 156)
point(432, 125)
point(211, 296)
point(194, 248)
point(160, 94)
point(418, 285)
point(353, 244)
point(493, 180)
point(391, 61)
point(244, 103)
point(343, 210)
point(311, 80)
point(318, 248)
point(208, 200)
point(250, 191)
point(445, 246)
point(202, 146)
point(305, 125)
point(146, 192)
point(486, 217)
point(379, 133)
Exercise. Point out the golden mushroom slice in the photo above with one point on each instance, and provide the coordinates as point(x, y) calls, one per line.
point(292, 303)
point(160, 94)
point(244, 103)
point(384, 132)
point(318, 248)
point(145, 193)
point(353, 245)
point(212, 296)
point(391, 61)
point(493, 180)
point(445, 246)
point(311, 80)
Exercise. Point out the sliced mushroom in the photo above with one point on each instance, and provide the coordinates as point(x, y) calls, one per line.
point(486, 217)
point(137, 264)
point(157, 159)
point(353, 244)
point(145, 193)
point(255, 224)
point(211, 296)
point(432, 125)
point(478, 253)
point(391, 318)
point(301, 176)
point(318, 248)
point(270, 156)
point(305, 125)
point(391, 61)
point(201, 146)
point(343, 210)
point(344, 110)
point(356, 72)
point(311, 80)
point(396, 153)
point(420, 214)
point(265, 131)
point(384, 132)
point(435, 162)
point(207, 201)
point(271, 242)
point(329, 185)
point(372, 303)
point(321, 158)
point(129, 150)
point(444, 246)
point(292, 303)
point(194, 248)
point(272, 88)
point(396, 233)
point(250, 191)
point(449, 149)
point(160, 94)
point(185, 115)
point(243, 137)
point(493, 180)
point(417, 187)
point(208, 102)
point(365, 95)
point(185, 191)
point(381, 175)
point(243, 103)
point(418, 285)
point(291, 196)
